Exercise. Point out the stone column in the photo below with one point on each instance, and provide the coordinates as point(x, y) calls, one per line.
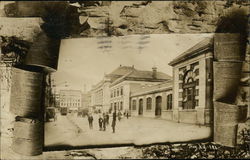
point(227, 72)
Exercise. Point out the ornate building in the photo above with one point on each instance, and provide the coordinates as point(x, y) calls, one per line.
point(192, 84)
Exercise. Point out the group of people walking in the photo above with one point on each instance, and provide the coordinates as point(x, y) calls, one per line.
point(103, 120)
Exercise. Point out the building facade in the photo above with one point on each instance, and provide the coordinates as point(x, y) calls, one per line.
point(122, 88)
point(192, 84)
point(113, 93)
point(100, 96)
point(70, 99)
point(153, 101)
point(86, 100)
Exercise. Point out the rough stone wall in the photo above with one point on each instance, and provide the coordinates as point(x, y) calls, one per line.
point(117, 18)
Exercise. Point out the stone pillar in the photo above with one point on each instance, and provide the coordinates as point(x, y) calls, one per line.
point(144, 105)
point(137, 106)
point(164, 101)
point(227, 70)
point(153, 105)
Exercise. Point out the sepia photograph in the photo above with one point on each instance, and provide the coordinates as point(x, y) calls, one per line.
point(124, 80)
point(125, 94)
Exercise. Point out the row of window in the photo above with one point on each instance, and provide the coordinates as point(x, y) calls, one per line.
point(70, 104)
point(149, 103)
point(117, 92)
point(117, 106)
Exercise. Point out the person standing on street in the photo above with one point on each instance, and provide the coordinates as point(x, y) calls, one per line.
point(107, 117)
point(127, 114)
point(104, 121)
point(119, 115)
point(114, 121)
point(100, 120)
point(90, 119)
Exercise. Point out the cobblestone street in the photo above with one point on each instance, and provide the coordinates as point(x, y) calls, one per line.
point(74, 131)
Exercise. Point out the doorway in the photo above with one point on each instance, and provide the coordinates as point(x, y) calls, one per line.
point(158, 106)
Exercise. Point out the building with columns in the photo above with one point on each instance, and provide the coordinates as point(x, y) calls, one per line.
point(192, 84)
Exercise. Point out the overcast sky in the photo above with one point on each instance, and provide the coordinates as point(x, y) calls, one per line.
point(85, 60)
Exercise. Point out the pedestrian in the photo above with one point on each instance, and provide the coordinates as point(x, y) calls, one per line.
point(104, 122)
point(127, 114)
point(107, 117)
point(100, 120)
point(119, 115)
point(90, 119)
point(114, 121)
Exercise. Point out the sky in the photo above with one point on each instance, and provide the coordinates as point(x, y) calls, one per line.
point(84, 61)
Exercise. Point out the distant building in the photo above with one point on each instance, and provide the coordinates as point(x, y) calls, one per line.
point(192, 84)
point(153, 101)
point(86, 99)
point(100, 95)
point(70, 99)
point(57, 100)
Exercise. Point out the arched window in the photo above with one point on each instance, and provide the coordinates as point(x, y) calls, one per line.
point(169, 101)
point(149, 103)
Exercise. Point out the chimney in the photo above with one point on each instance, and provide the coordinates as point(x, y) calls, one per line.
point(154, 73)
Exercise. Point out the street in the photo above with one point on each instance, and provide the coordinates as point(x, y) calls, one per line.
point(74, 131)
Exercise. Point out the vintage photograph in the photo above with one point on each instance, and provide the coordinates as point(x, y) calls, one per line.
point(132, 92)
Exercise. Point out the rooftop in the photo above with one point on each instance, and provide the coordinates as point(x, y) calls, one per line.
point(199, 48)
point(130, 73)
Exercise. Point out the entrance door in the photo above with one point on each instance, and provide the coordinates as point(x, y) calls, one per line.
point(140, 107)
point(158, 106)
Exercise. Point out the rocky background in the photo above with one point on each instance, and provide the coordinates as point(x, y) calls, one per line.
point(21, 22)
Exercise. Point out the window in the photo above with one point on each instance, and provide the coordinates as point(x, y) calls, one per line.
point(121, 91)
point(134, 104)
point(196, 102)
point(197, 92)
point(117, 92)
point(121, 106)
point(114, 93)
point(149, 103)
point(169, 101)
